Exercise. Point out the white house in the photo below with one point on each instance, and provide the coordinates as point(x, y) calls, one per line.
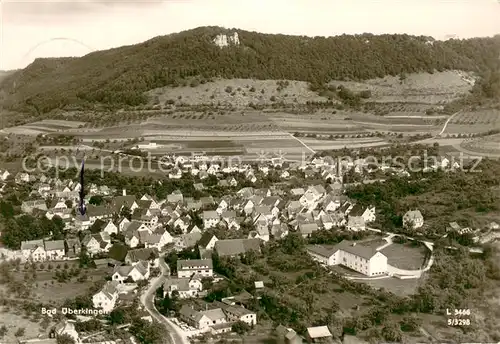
point(186, 287)
point(54, 250)
point(202, 320)
point(210, 219)
point(332, 203)
point(201, 267)
point(367, 213)
point(106, 298)
point(238, 313)
point(137, 272)
point(207, 241)
point(143, 254)
point(356, 223)
point(122, 224)
point(4, 175)
point(413, 219)
point(111, 228)
point(159, 239)
point(359, 258)
point(33, 250)
point(97, 243)
point(67, 327)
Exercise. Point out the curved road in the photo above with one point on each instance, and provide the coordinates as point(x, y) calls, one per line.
point(446, 123)
point(175, 335)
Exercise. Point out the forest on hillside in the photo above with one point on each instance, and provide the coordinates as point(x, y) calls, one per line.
point(120, 76)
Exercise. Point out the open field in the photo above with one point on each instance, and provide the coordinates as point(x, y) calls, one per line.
point(437, 88)
point(236, 92)
point(44, 127)
point(486, 117)
point(245, 134)
point(474, 122)
point(488, 146)
point(319, 145)
point(486, 143)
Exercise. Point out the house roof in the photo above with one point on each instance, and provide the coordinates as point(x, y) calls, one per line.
point(123, 270)
point(322, 250)
point(228, 214)
point(144, 203)
point(141, 254)
point(205, 239)
point(262, 209)
point(123, 201)
point(181, 283)
point(190, 239)
point(207, 200)
point(99, 225)
point(318, 189)
point(32, 244)
point(210, 214)
point(133, 226)
point(72, 242)
point(358, 250)
point(357, 210)
point(193, 264)
point(346, 246)
point(54, 245)
point(232, 247)
point(188, 312)
point(356, 221)
point(270, 201)
point(318, 332)
point(214, 314)
point(297, 191)
point(308, 228)
point(35, 203)
point(109, 289)
point(142, 266)
point(100, 210)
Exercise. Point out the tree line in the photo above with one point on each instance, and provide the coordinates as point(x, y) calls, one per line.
point(180, 58)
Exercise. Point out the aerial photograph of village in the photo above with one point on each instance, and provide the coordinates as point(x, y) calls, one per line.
point(196, 172)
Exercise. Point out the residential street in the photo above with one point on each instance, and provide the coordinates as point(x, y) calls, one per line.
point(175, 336)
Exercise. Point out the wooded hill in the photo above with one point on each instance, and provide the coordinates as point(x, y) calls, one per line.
point(120, 76)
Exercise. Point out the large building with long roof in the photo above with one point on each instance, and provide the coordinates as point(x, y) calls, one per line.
point(363, 259)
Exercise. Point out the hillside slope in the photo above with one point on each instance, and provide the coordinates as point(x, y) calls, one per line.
point(120, 76)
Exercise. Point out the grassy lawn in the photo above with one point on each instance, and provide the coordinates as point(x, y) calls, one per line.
point(375, 243)
point(405, 256)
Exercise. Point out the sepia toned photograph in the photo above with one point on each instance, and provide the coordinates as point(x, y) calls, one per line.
point(249, 172)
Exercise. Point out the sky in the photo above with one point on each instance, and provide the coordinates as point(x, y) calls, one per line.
point(43, 28)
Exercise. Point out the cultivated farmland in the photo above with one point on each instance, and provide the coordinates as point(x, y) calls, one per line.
point(474, 122)
point(489, 145)
point(44, 127)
